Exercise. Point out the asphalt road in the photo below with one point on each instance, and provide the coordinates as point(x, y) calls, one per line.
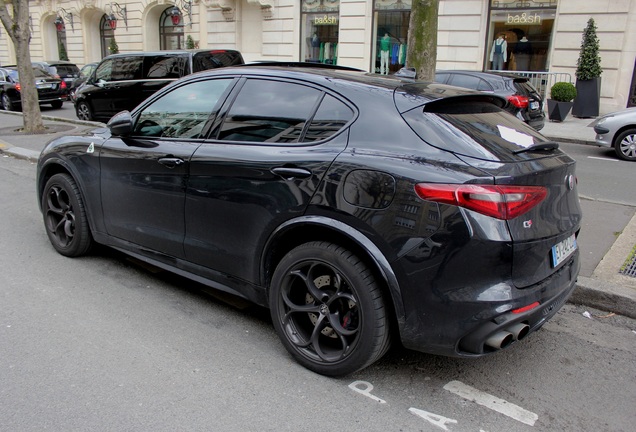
point(104, 344)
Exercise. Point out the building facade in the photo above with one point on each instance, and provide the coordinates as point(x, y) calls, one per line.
point(540, 35)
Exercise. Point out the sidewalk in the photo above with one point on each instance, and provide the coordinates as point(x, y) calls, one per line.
point(605, 288)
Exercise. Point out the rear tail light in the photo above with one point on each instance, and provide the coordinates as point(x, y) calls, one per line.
point(518, 101)
point(18, 87)
point(63, 85)
point(501, 202)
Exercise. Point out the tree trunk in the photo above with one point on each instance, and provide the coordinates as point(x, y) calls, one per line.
point(421, 52)
point(16, 24)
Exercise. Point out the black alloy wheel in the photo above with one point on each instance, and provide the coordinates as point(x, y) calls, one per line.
point(65, 217)
point(328, 309)
point(6, 102)
point(625, 145)
point(83, 111)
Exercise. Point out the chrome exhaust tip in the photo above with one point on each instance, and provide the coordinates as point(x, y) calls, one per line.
point(519, 330)
point(499, 340)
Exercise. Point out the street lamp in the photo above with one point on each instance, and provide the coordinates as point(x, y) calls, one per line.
point(121, 11)
point(176, 14)
point(59, 21)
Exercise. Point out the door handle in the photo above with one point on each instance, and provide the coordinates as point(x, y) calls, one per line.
point(171, 162)
point(290, 173)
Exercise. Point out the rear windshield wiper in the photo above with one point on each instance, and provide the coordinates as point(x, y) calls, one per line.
point(546, 145)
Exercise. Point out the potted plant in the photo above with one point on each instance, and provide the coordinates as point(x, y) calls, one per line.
point(189, 42)
point(588, 74)
point(560, 102)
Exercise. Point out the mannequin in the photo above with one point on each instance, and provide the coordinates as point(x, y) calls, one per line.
point(315, 46)
point(385, 48)
point(523, 51)
point(499, 52)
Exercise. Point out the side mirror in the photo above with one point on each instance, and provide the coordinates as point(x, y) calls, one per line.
point(121, 124)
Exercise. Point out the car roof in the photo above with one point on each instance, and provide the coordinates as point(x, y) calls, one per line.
point(487, 75)
point(348, 81)
point(54, 62)
point(169, 52)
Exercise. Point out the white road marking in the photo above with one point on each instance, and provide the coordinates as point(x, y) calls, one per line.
point(602, 158)
point(492, 402)
point(366, 391)
point(435, 419)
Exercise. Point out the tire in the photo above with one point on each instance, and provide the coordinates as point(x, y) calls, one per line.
point(65, 218)
point(328, 310)
point(625, 145)
point(83, 111)
point(6, 103)
point(57, 104)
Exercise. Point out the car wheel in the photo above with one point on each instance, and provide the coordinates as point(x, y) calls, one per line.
point(6, 102)
point(65, 216)
point(57, 104)
point(83, 111)
point(328, 309)
point(625, 145)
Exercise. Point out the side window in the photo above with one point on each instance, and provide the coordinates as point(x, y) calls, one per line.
point(162, 67)
point(269, 111)
point(465, 81)
point(104, 71)
point(183, 112)
point(441, 77)
point(127, 68)
point(329, 119)
point(484, 86)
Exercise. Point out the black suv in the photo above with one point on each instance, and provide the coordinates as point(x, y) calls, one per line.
point(358, 207)
point(122, 81)
point(524, 101)
point(65, 70)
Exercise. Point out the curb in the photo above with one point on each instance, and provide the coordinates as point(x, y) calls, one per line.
point(18, 152)
point(605, 296)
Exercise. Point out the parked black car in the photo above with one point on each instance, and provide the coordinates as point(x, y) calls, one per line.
point(524, 101)
point(63, 69)
point(122, 81)
point(84, 73)
point(357, 207)
point(51, 90)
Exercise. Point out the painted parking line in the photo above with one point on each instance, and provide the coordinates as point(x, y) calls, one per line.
point(492, 402)
point(602, 158)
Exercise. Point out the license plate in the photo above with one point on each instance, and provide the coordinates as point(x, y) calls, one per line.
point(534, 105)
point(562, 250)
point(44, 86)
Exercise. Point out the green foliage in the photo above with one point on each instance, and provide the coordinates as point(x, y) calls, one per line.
point(62, 52)
point(189, 42)
point(588, 65)
point(113, 48)
point(563, 92)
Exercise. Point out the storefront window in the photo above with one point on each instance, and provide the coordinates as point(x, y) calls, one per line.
point(520, 34)
point(320, 31)
point(391, 23)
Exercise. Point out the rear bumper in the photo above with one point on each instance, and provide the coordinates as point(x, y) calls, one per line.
point(461, 325)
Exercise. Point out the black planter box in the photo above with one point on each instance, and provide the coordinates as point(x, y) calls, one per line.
point(588, 98)
point(558, 111)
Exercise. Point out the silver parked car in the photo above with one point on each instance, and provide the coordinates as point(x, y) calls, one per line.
point(618, 130)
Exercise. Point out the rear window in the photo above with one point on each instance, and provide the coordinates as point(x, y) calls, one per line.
point(66, 70)
point(477, 129)
point(215, 59)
